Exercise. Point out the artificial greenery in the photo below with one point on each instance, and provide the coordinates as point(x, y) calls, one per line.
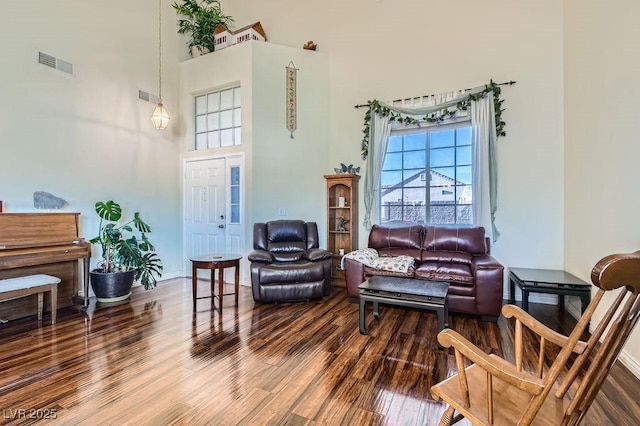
point(122, 250)
point(435, 117)
point(200, 20)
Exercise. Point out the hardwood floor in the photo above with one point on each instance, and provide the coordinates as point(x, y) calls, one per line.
point(152, 360)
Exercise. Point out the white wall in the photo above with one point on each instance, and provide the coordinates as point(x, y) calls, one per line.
point(437, 46)
point(602, 64)
point(88, 138)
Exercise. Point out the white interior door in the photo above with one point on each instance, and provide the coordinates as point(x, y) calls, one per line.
point(205, 208)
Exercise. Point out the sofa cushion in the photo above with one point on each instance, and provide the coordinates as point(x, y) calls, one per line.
point(447, 257)
point(443, 271)
point(370, 272)
point(455, 238)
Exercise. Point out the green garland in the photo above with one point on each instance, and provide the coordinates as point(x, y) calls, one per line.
point(435, 117)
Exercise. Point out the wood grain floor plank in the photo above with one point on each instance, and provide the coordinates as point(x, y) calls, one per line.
point(152, 360)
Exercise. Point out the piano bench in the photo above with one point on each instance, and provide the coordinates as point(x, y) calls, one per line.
point(12, 288)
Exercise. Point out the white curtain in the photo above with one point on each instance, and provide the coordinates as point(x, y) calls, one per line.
point(484, 136)
point(483, 125)
point(380, 128)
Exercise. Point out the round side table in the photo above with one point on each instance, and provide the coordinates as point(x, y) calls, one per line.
point(213, 262)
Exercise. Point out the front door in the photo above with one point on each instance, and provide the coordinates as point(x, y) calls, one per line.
point(205, 208)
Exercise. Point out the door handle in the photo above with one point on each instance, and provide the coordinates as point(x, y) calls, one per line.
point(221, 226)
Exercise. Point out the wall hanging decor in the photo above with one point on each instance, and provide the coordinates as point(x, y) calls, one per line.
point(292, 119)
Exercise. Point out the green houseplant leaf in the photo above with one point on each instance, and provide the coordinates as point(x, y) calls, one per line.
point(126, 247)
point(199, 19)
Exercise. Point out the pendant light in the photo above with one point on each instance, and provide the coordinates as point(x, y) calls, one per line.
point(160, 116)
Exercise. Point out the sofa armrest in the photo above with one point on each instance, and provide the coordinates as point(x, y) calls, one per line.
point(262, 256)
point(354, 276)
point(316, 254)
point(488, 274)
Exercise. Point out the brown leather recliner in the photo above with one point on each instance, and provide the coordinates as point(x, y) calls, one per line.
point(287, 263)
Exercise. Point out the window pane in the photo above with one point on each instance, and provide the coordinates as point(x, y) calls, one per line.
point(237, 117)
point(442, 138)
point(235, 194)
point(413, 177)
point(464, 194)
point(213, 121)
point(201, 141)
point(442, 194)
point(226, 137)
point(395, 144)
point(237, 139)
point(201, 124)
point(392, 161)
point(465, 215)
point(213, 100)
point(415, 141)
point(443, 175)
point(463, 136)
point(443, 214)
point(391, 212)
point(390, 178)
point(235, 214)
point(463, 155)
point(442, 157)
point(411, 213)
point(415, 196)
point(463, 174)
point(415, 159)
point(213, 139)
point(236, 97)
point(201, 104)
point(235, 176)
point(226, 99)
point(226, 119)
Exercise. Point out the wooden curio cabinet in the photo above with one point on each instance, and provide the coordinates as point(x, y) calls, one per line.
point(342, 207)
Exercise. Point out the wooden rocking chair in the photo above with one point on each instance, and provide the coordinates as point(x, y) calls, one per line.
point(543, 399)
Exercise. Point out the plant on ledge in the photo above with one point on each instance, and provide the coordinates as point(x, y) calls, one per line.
point(200, 20)
point(122, 249)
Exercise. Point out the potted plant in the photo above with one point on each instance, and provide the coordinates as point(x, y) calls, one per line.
point(200, 18)
point(127, 255)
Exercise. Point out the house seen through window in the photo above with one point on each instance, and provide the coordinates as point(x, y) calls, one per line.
point(427, 176)
point(218, 119)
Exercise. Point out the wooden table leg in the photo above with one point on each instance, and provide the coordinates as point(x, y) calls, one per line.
point(40, 304)
point(54, 303)
point(213, 286)
point(194, 283)
point(237, 280)
point(220, 284)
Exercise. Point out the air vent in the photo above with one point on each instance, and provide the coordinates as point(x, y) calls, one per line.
point(146, 96)
point(55, 63)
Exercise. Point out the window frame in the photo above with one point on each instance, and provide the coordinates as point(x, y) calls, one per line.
point(213, 134)
point(427, 206)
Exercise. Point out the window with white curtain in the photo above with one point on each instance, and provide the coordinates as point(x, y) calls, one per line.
point(218, 119)
point(427, 174)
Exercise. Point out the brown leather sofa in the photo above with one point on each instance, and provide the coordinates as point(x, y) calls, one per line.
point(456, 254)
point(287, 263)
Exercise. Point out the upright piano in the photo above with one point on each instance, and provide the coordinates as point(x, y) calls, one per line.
point(44, 243)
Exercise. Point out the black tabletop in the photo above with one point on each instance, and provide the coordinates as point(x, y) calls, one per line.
point(406, 286)
point(547, 276)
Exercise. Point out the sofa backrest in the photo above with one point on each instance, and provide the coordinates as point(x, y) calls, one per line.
point(394, 240)
point(468, 239)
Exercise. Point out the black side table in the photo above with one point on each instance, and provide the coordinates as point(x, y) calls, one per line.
point(550, 281)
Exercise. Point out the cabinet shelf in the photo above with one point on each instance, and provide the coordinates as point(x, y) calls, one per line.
point(341, 188)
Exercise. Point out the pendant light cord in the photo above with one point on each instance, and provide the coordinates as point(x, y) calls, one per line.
point(160, 50)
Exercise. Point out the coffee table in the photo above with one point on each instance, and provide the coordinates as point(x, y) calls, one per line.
point(405, 292)
point(213, 262)
point(550, 281)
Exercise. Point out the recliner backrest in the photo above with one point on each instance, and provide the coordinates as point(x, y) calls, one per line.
point(285, 239)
